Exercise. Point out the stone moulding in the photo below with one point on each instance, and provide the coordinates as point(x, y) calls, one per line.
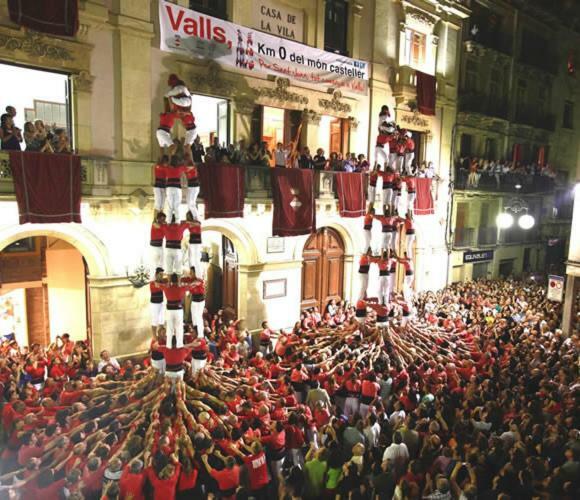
point(281, 92)
point(35, 45)
point(335, 104)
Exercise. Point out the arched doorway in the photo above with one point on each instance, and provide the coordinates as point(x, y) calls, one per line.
point(44, 290)
point(322, 268)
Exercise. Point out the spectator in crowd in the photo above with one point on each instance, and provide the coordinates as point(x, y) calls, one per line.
point(10, 134)
point(319, 160)
point(60, 141)
point(306, 160)
point(197, 150)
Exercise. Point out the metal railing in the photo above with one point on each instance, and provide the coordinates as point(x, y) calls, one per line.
point(486, 236)
point(503, 183)
point(475, 102)
point(463, 237)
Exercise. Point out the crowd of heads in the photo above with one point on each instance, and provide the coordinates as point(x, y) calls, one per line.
point(36, 136)
point(477, 398)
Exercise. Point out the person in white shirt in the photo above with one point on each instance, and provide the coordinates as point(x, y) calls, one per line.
point(280, 156)
point(107, 360)
point(397, 453)
point(372, 431)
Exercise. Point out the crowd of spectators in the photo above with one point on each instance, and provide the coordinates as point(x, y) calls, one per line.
point(476, 398)
point(473, 169)
point(35, 137)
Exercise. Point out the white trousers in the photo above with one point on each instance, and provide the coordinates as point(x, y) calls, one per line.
point(157, 314)
point(156, 257)
point(367, 239)
point(173, 260)
point(164, 138)
point(194, 256)
point(372, 193)
point(198, 364)
point(411, 201)
point(382, 155)
point(410, 240)
point(400, 165)
point(175, 375)
point(396, 199)
point(197, 315)
point(388, 196)
point(391, 283)
point(384, 289)
point(393, 157)
point(407, 288)
point(190, 136)
point(351, 406)
point(364, 284)
point(159, 365)
point(174, 326)
point(192, 194)
point(409, 157)
point(388, 240)
point(159, 195)
point(173, 202)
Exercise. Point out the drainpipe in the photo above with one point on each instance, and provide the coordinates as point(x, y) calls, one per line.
point(448, 241)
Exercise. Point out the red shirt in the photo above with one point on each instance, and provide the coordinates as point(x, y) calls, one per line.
point(174, 232)
point(175, 356)
point(191, 172)
point(160, 172)
point(57, 371)
point(131, 485)
point(411, 184)
point(157, 232)
point(368, 221)
point(227, 479)
point(370, 389)
point(257, 470)
point(163, 489)
point(70, 397)
point(175, 293)
point(187, 481)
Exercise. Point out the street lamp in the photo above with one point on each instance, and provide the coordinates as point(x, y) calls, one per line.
point(504, 220)
point(526, 221)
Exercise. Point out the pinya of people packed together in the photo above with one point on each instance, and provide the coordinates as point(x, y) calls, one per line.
point(474, 396)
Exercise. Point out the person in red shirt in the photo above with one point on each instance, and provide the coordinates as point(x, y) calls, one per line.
point(351, 403)
point(257, 471)
point(174, 294)
point(388, 221)
point(57, 370)
point(384, 278)
point(93, 477)
point(156, 302)
point(373, 178)
point(132, 482)
point(160, 176)
point(173, 253)
point(407, 284)
point(363, 270)
point(165, 483)
point(174, 359)
point(411, 183)
point(194, 246)
point(368, 226)
point(173, 189)
point(369, 392)
point(156, 241)
point(409, 226)
point(265, 339)
point(388, 179)
point(409, 151)
point(386, 128)
point(187, 486)
point(36, 369)
point(228, 479)
point(294, 440)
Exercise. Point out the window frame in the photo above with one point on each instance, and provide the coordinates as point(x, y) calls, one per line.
point(221, 12)
point(329, 47)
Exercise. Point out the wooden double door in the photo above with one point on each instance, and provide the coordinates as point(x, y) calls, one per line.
point(322, 269)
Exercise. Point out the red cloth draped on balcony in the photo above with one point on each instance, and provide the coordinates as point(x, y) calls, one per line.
point(47, 186)
point(424, 200)
point(517, 153)
point(57, 17)
point(294, 205)
point(426, 91)
point(351, 194)
point(223, 190)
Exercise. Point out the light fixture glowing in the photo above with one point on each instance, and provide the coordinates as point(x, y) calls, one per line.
point(504, 220)
point(526, 221)
point(518, 186)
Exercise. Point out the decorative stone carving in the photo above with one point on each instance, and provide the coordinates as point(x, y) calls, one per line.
point(35, 45)
point(244, 105)
point(335, 104)
point(419, 16)
point(353, 122)
point(83, 81)
point(212, 81)
point(281, 92)
point(311, 116)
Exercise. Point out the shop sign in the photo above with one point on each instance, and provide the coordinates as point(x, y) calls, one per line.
point(279, 20)
point(555, 288)
point(186, 32)
point(475, 257)
point(413, 121)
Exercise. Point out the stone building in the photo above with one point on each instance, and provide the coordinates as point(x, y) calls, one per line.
point(115, 75)
point(518, 100)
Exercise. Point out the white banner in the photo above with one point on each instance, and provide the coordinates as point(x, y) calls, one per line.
point(555, 288)
point(187, 32)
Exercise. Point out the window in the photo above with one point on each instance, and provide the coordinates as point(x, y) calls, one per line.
point(490, 149)
point(568, 121)
point(495, 85)
point(465, 148)
point(214, 8)
point(471, 76)
point(415, 48)
point(522, 92)
point(335, 26)
point(215, 119)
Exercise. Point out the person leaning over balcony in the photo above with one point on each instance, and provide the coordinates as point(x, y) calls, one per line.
point(10, 135)
point(60, 141)
point(197, 150)
point(473, 178)
point(34, 141)
point(305, 160)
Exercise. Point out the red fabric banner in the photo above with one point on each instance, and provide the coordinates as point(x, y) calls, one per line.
point(351, 194)
point(223, 190)
point(294, 206)
point(47, 186)
point(424, 200)
point(542, 156)
point(426, 91)
point(57, 17)
point(517, 153)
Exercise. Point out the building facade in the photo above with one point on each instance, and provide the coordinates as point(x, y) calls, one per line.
point(116, 75)
point(518, 101)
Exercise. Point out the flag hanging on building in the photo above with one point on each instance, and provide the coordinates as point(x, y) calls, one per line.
point(424, 200)
point(426, 92)
point(351, 194)
point(47, 186)
point(223, 190)
point(294, 205)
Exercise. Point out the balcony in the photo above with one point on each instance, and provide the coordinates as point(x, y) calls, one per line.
point(537, 119)
point(486, 236)
point(473, 102)
point(103, 177)
point(516, 235)
point(507, 183)
point(464, 237)
point(405, 81)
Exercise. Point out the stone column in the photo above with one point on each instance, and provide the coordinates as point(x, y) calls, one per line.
point(82, 86)
point(320, 17)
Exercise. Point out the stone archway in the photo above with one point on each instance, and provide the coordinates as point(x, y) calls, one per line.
point(86, 242)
